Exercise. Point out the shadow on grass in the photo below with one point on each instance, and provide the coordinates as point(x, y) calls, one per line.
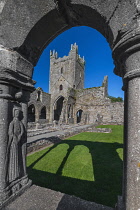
point(107, 173)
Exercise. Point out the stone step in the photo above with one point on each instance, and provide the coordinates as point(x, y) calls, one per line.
point(39, 198)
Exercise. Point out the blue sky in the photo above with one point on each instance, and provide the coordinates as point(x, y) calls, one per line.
point(94, 47)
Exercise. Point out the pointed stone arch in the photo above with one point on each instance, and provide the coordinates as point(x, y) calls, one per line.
point(31, 113)
point(79, 114)
point(43, 113)
point(58, 107)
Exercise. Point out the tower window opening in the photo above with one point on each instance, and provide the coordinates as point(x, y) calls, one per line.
point(39, 96)
point(61, 70)
point(61, 87)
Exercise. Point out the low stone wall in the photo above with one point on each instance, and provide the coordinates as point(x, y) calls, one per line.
point(40, 143)
point(44, 142)
point(39, 131)
point(100, 130)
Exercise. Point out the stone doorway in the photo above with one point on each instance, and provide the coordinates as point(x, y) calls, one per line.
point(43, 113)
point(31, 113)
point(79, 115)
point(58, 108)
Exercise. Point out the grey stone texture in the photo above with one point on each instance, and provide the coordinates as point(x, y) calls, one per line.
point(15, 88)
point(39, 100)
point(27, 27)
point(35, 199)
point(65, 73)
point(97, 107)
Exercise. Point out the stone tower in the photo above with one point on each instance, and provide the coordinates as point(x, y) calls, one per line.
point(65, 73)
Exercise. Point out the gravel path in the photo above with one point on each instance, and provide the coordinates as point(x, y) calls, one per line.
point(56, 133)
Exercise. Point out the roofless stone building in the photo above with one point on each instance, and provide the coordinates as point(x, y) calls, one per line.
point(68, 102)
point(26, 28)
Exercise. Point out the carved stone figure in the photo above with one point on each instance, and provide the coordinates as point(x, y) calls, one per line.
point(16, 130)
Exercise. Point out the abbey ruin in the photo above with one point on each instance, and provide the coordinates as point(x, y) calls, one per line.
point(67, 101)
point(26, 28)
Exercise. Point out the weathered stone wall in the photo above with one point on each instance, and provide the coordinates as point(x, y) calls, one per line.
point(57, 78)
point(65, 73)
point(79, 74)
point(117, 112)
point(39, 103)
point(96, 92)
point(98, 108)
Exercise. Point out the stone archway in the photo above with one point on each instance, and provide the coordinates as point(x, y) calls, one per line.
point(79, 115)
point(31, 113)
point(26, 29)
point(58, 106)
point(42, 113)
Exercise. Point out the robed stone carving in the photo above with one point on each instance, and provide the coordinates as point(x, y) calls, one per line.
point(16, 131)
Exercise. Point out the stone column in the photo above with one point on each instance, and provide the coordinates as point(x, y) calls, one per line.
point(127, 58)
point(48, 114)
point(51, 117)
point(37, 114)
point(15, 88)
point(131, 188)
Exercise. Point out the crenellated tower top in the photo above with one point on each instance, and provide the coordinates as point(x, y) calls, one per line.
point(67, 71)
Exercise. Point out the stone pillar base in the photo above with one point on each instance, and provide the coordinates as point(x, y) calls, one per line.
point(14, 190)
point(120, 204)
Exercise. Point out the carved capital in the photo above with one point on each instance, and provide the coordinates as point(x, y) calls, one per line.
point(15, 70)
point(131, 74)
point(126, 55)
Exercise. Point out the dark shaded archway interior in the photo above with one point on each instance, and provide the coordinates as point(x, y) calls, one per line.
point(79, 115)
point(39, 96)
point(43, 113)
point(31, 113)
point(58, 108)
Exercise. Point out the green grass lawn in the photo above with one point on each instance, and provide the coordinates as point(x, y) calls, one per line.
point(87, 165)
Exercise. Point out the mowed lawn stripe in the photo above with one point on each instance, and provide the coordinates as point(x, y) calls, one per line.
point(87, 165)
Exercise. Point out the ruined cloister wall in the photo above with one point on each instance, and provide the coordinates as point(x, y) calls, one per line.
point(79, 74)
point(96, 92)
point(44, 101)
point(97, 108)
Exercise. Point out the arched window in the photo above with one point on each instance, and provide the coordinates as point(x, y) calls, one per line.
point(61, 87)
point(38, 96)
point(58, 106)
point(43, 113)
point(31, 113)
point(79, 115)
point(61, 70)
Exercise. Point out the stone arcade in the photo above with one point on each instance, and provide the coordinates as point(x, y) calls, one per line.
point(68, 102)
point(26, 28)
